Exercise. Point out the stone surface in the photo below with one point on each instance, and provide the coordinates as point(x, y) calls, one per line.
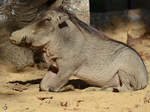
point(79, 7)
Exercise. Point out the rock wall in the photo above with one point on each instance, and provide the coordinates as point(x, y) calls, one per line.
point(79, 7)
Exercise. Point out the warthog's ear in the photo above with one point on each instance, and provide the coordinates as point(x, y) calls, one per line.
point(62, 18)
point(62, 21)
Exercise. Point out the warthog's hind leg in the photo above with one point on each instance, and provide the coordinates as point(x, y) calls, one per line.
point(125, 80)
point(120, 82)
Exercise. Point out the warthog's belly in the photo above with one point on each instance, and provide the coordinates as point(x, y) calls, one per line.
point(95, 76)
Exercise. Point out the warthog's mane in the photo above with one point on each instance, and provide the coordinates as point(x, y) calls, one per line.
point(89, 29)
point(81, 25)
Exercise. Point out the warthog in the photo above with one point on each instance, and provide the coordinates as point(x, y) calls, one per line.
point(78, 49)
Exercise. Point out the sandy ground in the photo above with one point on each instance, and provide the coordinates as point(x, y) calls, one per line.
point(19, 92)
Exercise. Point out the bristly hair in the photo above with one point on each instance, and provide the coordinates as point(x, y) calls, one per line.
point(81, 25)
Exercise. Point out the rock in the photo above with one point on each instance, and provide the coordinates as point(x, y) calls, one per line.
point(79, 7)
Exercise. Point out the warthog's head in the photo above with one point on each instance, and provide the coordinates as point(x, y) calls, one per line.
point(40, 32)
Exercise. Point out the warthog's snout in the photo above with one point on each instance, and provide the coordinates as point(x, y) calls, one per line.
point(15, 38)
point(19, 38)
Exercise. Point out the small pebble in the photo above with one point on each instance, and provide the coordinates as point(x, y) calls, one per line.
point(5, 107)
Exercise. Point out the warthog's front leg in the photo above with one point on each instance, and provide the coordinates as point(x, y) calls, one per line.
point(55, 82)
point(47, 80)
